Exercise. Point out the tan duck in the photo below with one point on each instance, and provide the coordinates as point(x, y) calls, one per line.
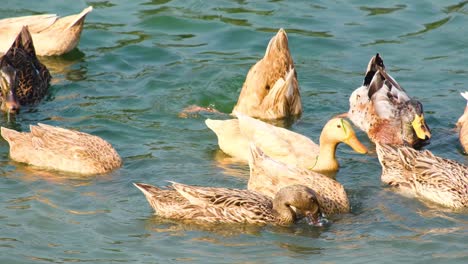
point(22, 74)
point(382, 109)
point(62, 149)
point(268, 176)
point(209, 204)
point(285, 145)
point(462, 124)
point(422, 174)
point(271, 90)
point(52, 35)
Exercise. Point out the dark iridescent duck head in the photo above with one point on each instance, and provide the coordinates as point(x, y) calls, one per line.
point(415, 131)
point(8, 84)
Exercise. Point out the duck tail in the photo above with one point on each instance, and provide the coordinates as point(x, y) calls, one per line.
point(25, 40)
point(465, 95)
point(147, 189)
point(79, 18)
point(284, 97)
point(9, 134)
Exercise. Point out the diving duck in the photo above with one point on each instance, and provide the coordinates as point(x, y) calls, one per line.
point(209, 204)
point(462, 124)
point(22, 73)
point(271, 90)
point(268, 176)
point(382, 109)
point(422, 174)
point(62, 149)
point(285, 145)
point(52, 35)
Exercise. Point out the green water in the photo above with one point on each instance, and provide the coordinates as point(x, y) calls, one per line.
point(140, 63)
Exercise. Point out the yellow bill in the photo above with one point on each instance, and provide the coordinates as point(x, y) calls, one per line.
point(419, 126)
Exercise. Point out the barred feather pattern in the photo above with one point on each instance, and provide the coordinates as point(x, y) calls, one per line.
point(437, 179)
point(62, 149)
point(268, 176)
point(210, 204)
point(33, 76)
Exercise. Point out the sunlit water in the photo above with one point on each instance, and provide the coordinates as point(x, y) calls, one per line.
point(140, 63)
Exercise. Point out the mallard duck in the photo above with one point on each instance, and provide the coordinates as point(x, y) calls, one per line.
point(271, 90)
point(382, 109)
point(284, 145)
point(22, 73)
point(209, 204)
point(268, 176)
point(462, 124)
point(62, 149)
point(52, 35)
point(423, 174)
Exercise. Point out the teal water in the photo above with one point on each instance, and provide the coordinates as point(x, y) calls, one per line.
point(140, 63)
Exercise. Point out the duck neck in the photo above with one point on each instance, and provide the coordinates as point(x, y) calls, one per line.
point(282, 210)
point(326, 159)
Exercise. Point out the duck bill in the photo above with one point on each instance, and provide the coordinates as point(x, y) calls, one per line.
point(420, 127)
point(316, 219)
point(10, 104)
point(356, 145)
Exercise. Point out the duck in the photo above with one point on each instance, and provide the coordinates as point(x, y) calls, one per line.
point(22, 74)
point(462, 125)
point(271, 90)
point(225, 205)
point(268, 176)
point(57, 148)
point(234, 136)
point(422, 174)
point(52, 35)
point(383, 109)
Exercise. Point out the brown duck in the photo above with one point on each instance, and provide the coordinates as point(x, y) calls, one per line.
point(209, 204)
point(22, 74)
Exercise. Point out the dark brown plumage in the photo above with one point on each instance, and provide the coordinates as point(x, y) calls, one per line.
point(31, 78)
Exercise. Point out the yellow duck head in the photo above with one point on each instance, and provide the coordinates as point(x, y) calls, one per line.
point(339, 130)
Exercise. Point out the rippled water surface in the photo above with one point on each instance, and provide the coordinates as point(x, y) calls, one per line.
point(140, 63)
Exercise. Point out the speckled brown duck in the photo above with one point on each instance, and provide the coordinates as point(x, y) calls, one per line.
point(22, 72)
point(209, 204)
point(422, 174)
point(268, 176)
point(63, 149)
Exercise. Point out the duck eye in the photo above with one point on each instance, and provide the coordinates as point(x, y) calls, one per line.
point(338, 126)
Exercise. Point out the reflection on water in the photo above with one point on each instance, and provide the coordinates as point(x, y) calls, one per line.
point(180, 228)
point(428, 27)
point(374, 11)
point(460, 7)
point(61, 67)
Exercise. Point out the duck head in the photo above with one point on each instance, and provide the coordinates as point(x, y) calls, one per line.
point(415, 130)
point(301, 201)
point(8, 83)
point(339, 130)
